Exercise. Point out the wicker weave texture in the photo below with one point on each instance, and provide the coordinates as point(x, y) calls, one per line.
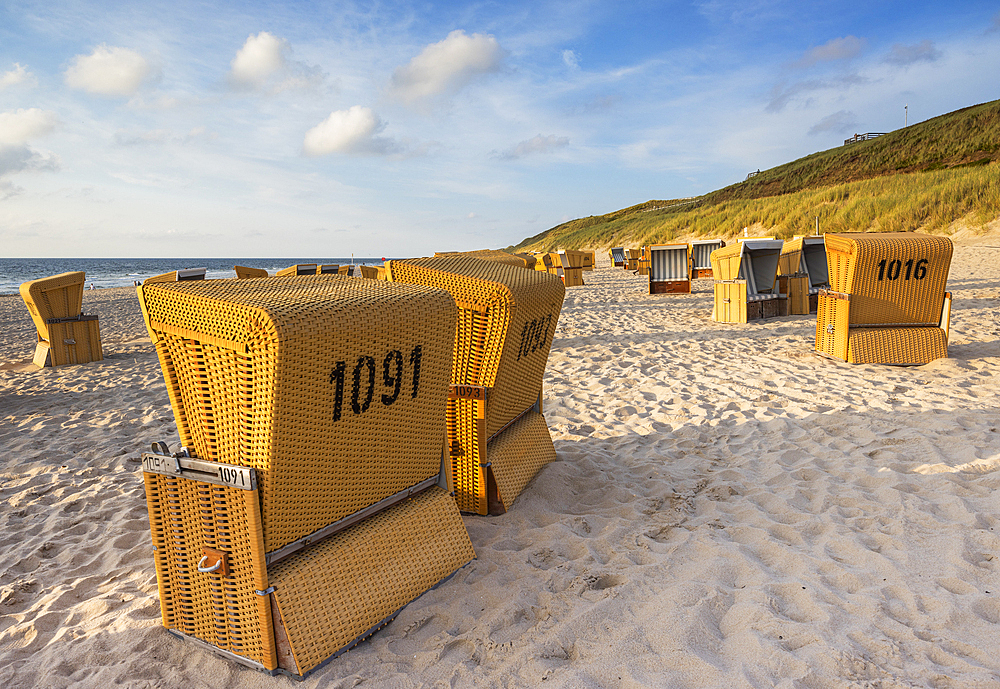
point(58, 296)
point(507, 318)
point(891, 277)
point(518, 453)
point(489, 255)
point(342, 587)
point(244, 273)
point(918, 345)
point(332, 388)
point(184, 517)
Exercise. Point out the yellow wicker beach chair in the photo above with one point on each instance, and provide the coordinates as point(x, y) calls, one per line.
point(65, 335)
point(529, 260)
point(618, 257)
point(298, 269)
point(746, 286)
point(245, 273)
point(183, 275)
point(490, 255)
point(669, 269)
point(306, 508)
point(568, 265)
point(589, 260)
point(802, 267)
point(632, 257)
point(701, 256)
point(497, 435)
point(887, 302)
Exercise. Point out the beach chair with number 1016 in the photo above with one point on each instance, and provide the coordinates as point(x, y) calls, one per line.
point(887, 302)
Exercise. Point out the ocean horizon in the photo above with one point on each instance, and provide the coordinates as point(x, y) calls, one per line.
point(103, 273)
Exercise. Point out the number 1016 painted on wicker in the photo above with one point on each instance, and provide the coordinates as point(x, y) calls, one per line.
point(364, 378)
point(891, 269)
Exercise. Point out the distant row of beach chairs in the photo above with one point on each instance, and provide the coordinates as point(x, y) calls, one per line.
point(879, 297)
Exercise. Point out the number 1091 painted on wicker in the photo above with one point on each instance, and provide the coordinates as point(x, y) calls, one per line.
point(891, 269)
point(392, 378)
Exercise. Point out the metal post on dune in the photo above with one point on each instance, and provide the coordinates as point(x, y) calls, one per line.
point(906, 115)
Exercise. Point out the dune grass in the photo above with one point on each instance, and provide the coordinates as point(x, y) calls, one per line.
point(925, 177)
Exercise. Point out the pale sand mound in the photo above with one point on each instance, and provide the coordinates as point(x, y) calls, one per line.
point(728, 510)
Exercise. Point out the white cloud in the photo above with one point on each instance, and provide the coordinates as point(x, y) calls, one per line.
point(447, 66)
point(261, 57)
point(17, 128)
point(837, 49)
point(18, 75)
point(351, 131)
point(108, 71)
point(571, 59)
point(536, 144)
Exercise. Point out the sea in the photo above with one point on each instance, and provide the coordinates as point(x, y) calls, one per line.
point(125, 272)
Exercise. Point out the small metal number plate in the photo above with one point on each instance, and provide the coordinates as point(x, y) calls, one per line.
point(200, 470)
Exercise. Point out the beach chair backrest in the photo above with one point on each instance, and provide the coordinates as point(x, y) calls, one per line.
point(897, 277)
point(182, 275)
point(668, 262)
point(297, 269)
point(58, 296)
point(814, 261)
point(701, 252)
point(244, 273)
point(759, 266)
point(332, 389)
point(328, 269)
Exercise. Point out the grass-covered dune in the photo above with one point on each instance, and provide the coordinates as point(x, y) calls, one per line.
point(932, 176)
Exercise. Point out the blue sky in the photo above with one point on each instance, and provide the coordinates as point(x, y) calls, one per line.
point(193, 129)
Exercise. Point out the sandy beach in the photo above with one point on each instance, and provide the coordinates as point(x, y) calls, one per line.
point(728, 509)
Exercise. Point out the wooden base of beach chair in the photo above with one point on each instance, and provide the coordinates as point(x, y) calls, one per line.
point(797, 289)
point(290, 610)
point(813, 303)
point(767, 308)
point(74, 341)
point(670, 287)
point(698, 273)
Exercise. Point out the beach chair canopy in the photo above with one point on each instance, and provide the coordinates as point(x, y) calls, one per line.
point(668, 262)
point(298, 269)
point(243, 272)
point(701, 252)
point(59, 296)
point(753, 260)
point(618, 255)
point(814, 263)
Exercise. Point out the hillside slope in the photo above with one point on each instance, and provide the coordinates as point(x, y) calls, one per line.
point(928, 176)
